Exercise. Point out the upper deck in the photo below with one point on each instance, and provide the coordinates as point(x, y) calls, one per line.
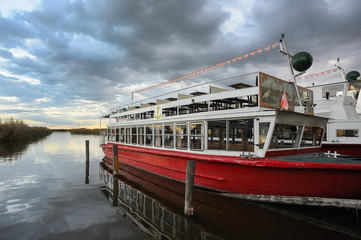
point(250, 95)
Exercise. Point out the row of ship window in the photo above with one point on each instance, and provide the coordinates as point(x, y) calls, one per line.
point(232, 135)
point(229, 135)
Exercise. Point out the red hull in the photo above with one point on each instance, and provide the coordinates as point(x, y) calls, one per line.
point(257, 176)
point(343, 149)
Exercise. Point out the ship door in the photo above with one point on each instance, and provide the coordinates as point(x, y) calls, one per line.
point(263, 132)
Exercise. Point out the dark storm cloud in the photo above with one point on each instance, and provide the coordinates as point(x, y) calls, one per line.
point(314, 25)
point(96, 39)
point(97, 49)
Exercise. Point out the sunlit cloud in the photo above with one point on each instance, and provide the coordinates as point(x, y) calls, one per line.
point(9, 99)
point(7, 8)
point(20, 78)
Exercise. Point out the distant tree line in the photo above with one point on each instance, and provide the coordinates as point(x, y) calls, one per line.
point(84, 131)
point(16, 130)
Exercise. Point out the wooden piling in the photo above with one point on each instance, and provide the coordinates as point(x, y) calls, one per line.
point(115, 160)
point(87, 162)
point(87, 150)
point(189, 183)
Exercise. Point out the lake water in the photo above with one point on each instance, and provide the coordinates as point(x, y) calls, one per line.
point(46, 192)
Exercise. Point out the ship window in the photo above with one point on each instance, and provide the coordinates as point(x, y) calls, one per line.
point(158, 135)
point(184, 109)
point(113, 134)
point(285, 136)
point(109, 134)
point(347, 133)
point(127, 135)
point(141, 135)
point(197, 136)
point(134, 135)
point(263, 130)
point(149, 135)
point(311, 136)
point(353, 92)
point(149, 115)
point(117, 134)
point(241, 135)
point(217, 135)
point(168, 136)
point(122, 135)
point(170, 111)
point(181, 136)
point(332, 91)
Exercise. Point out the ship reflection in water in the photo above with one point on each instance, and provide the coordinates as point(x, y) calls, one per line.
point(155, 207)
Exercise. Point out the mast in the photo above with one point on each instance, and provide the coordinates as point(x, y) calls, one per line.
point(284, 51)
point(301, 61)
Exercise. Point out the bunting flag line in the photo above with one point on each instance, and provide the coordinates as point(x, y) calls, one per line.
point(315, 75)
point(218, 65)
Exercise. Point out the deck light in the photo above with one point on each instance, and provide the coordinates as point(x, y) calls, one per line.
point(353, 75)
point(302, 61)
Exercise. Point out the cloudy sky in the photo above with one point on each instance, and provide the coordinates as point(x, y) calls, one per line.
point(63, 63)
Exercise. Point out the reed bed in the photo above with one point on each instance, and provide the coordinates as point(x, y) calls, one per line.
point(84, 131)
point(16, 130)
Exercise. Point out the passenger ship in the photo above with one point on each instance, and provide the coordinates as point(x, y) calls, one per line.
point(338, 101)
point(252, 141)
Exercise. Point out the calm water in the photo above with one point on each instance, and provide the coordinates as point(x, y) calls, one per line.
point(46, 192)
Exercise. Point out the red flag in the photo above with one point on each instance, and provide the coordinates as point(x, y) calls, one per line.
point(284, 101)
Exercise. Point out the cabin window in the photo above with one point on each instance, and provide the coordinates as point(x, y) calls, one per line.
point(141, 135)
point(332, 91)
point(285, 136)
point(109, 134)
point(134, 135)
point(168, 136)
point(122, 134)
point(240, 135)
point(170, 111)
point(197, 136)
point(263, 131)
point(353, 92)
point(149, 115)
point(149, 135)
point(347, 133)
point(158, 133)
point(113, 134)
point(117, 130)
point(217, 135)
point(185, 109)
point(311, 136)
point(127, 135)
point(181, 136)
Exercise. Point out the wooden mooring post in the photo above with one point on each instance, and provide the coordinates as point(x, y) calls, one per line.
point(87, 150)
point(115, 160)
point(188, 200)
point(87, 162)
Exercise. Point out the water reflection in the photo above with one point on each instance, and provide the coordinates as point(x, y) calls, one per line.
point(155, 206)
point(148, 215)
point(12, 151)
